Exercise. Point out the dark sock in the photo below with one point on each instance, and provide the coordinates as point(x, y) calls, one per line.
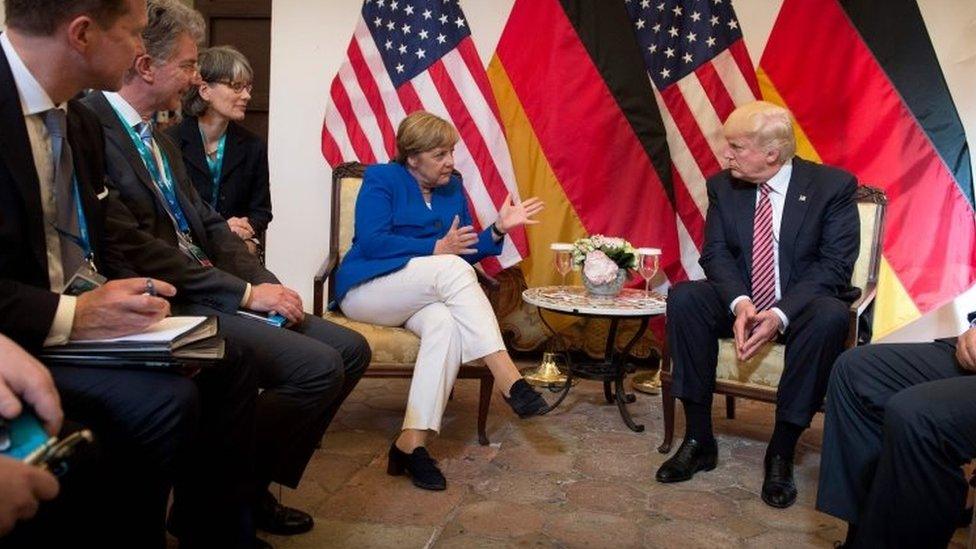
point(698, 422)
point(783, 441)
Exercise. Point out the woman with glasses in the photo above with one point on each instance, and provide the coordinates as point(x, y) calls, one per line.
point(227, 163)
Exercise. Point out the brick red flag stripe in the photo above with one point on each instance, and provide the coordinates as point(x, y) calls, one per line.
point(372, 93)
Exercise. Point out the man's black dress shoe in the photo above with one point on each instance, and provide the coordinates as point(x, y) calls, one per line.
point(524, 400)
point(419, 465)
point(275, 518)
point(778, 489)
point(691, 457)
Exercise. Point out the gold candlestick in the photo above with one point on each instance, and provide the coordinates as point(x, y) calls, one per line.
point(547, 374)
point(647, 382)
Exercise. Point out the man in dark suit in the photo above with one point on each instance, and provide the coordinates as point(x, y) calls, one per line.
point(900, 423)
point(306, 371)
point(781, 239)
point(52, 202)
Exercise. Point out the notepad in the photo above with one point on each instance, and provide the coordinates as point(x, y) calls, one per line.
point(169, 342)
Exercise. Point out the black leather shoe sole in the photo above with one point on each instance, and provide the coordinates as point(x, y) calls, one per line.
point(280, 520)
point(427, 486)
point(290, 528)
point(706, 464)
point(768, 500)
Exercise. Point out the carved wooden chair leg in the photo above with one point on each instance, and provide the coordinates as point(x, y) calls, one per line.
point(484, 402)
point(668, 401)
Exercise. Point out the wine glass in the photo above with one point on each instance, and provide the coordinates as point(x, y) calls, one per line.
point(562, 259)
point(647, 264)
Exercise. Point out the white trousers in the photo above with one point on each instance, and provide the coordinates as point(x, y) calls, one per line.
point(438, 298)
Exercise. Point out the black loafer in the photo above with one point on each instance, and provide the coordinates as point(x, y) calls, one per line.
point(524, 400)
point(419, 465)
point(691, 457)
point(275, 518)
point(778, 489)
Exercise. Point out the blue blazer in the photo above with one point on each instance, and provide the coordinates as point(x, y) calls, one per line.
point(393, 225)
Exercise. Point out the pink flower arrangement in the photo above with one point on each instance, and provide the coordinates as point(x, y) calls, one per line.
point(599, 268)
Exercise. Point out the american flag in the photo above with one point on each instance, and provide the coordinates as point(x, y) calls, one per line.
point(700, 70)
point(409, 55)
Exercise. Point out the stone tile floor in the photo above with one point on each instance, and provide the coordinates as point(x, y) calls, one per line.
point(575, 478)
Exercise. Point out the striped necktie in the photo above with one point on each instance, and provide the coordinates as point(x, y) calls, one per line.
point(144, 129)
point(763, 270)
point(72, 257)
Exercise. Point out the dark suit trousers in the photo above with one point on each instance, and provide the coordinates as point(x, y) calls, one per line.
point(306, 373)
point(697, 317)
point(154, 429)
point(900, 421)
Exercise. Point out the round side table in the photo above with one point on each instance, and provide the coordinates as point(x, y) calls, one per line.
point(629, 304)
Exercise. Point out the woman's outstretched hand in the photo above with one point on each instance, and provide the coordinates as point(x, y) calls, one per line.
point(515, 212)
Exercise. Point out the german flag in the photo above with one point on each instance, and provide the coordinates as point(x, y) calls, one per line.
point(863, 81)
point(584, 130)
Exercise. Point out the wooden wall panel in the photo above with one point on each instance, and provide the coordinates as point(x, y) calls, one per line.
point(247, 27)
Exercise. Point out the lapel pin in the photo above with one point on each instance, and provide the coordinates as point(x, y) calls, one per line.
point(803, 198)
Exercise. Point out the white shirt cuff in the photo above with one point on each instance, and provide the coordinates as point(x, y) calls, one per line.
point(782, 318)
point(247, 295)
point(736, 302)
point(64, 320)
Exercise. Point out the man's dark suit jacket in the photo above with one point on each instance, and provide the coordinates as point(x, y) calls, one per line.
point(220, 287)
point(27, 306)
point(244, 188)
point(819, 236)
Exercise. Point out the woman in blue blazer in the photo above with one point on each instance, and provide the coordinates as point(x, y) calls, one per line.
point(410, 265)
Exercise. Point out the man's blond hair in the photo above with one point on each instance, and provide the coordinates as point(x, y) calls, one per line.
point(769, 126)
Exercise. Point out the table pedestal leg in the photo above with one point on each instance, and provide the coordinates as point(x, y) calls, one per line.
point(618, 361)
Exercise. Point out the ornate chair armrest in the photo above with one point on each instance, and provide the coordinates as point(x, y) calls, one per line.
point(856, 310)
point(318, 283)
point(867, 297)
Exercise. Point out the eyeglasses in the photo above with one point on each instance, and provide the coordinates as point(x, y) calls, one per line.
point(238, 87)
point(190, 67)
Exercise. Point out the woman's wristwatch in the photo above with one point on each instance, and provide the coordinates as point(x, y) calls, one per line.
point(497, 232)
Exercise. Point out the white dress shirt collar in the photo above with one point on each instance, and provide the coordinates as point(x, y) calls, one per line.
point(128, 112)
point(781, 179)
point(33, 98)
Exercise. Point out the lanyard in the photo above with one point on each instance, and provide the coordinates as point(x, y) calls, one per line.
point(215, 164)
point(83, 241)
point(163, 181)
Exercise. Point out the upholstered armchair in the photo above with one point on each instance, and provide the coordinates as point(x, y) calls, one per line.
point(394, 349)
point(758, 378)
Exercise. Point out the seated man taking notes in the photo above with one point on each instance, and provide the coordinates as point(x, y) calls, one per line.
point(306, 370)
point(52, 202)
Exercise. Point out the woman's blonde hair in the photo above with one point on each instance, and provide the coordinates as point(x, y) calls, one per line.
point(421, 132)
point(767, 124)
